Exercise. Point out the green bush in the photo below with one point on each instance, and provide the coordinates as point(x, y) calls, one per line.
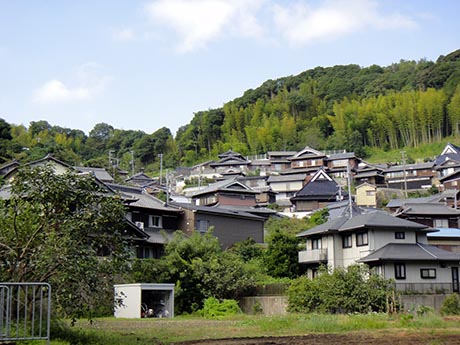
point(451, 305)
point(214, 308)
point(340, 291)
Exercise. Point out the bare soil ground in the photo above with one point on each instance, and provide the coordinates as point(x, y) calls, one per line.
point(343, 339)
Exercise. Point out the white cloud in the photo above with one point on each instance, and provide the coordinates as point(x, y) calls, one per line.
point(88, 84)
point(198, 22)
point(301, 24)
point(125, 34)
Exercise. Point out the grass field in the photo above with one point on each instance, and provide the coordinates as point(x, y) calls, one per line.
point(167, 331)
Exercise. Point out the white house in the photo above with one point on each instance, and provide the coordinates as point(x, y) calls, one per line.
point(393, 247)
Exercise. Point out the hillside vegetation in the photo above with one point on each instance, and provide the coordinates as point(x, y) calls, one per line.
point(374, 111)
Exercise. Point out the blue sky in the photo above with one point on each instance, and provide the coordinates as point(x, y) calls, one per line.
point(147, 64)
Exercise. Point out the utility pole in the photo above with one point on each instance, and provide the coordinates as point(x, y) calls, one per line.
point(403, 153)
point(350, 201)
point(132, 163)
point(161, 168)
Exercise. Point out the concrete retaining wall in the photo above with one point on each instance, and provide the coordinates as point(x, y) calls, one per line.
point(413, 302)
point(270, 305)
point(277, 305)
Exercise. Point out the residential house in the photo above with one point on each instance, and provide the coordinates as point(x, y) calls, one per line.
point(58, 166)
point(140, 179)
point(229, 226)
point(306, 161)
point(366, 195)
point(154, 217)
point(448, 161)
point(279, 160)
point(451, 181)
point(319, 191)
point(411, 176)
point(370, 173)
point(435, 215)
point(445, 238)
point(227, 192)
point(285, 187)
point(339, 165)
point(393, 247)
point(447, 197)
point(203, 171)
point(228, 160)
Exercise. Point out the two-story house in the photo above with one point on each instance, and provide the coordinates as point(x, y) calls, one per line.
point(157, 219)
point(392, 247)
point(411, 176)
point(227, 192)
point(230, 160)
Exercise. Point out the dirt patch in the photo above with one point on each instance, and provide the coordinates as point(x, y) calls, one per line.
point(343, 339)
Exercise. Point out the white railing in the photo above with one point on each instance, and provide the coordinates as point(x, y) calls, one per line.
point(25, 311)
point(313, 255)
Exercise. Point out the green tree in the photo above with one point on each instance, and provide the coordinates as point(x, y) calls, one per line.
point(55, 228)
point(281, 257)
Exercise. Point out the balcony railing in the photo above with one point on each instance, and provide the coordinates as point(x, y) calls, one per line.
point(313, 255)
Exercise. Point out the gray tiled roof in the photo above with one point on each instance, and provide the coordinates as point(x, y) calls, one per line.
point(138, 198)
point(432, 198)
point(377, 219)
point(226, 185)
point(410, 252)
point(286, 178)
point(431, 209)
point(220, 210)
point(100, 173)
point(416, 166)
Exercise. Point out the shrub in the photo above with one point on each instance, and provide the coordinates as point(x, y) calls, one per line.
point(451, 305)
point(215, 308)
point(340, 291)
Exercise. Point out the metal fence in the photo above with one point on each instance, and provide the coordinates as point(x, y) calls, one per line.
point(25, 311)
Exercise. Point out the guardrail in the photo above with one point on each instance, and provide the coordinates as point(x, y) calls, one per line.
point(25, 311)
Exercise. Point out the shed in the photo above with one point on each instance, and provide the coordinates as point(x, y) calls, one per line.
point(144, 300)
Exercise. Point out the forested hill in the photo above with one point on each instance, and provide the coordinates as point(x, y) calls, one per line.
point(341, 107)
point(406, 104)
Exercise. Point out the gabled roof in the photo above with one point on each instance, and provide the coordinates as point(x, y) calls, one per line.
point(137, 197)
point(319, 186)
point(307, 152)
point(100, 173)
point(230, 153)
point(377, 219)
point(281, 153)
point(428, 209)
point(230, 185)
point(451, 149)
point(410, 252)
point(230, 160)
point(451, 177)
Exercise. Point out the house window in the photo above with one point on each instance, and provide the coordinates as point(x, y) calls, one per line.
point(316, 243)
point(361, 239)
point(400, 271)
point(155, 221)
point(346, 241)
point(441, 223)
point(370, 192)
point(202, 225)
point(428, 273)
point(400, 235)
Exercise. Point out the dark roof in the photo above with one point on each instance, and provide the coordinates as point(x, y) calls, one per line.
point(440, 197)
point(320, 187)
point(307, 152)
point(416, 166)
point(229, 185)
point(377, 219)
point(220, 210)
point(137, 197)
point(337, 156)
point(431, 209)
point(410, 252)
point(230, 160)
